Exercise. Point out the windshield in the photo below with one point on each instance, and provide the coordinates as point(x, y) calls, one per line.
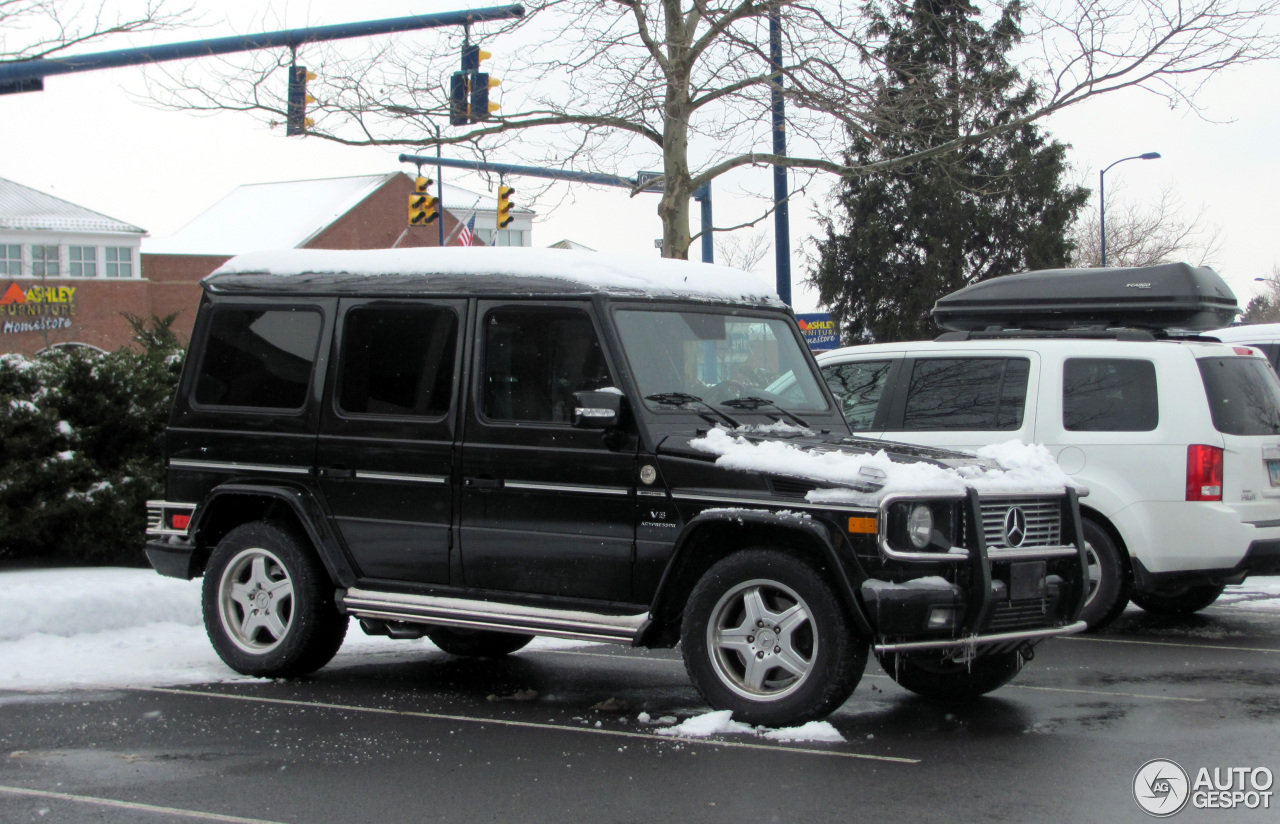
point(717, 357)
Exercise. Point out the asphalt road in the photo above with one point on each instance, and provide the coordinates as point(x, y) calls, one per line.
point(418, 736)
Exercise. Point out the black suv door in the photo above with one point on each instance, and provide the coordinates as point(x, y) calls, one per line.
point(387, 435)
point(545, 508)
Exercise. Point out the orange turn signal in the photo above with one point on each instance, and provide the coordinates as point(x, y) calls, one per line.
point(862, 525)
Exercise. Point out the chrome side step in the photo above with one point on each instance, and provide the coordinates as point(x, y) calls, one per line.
point(491, 615)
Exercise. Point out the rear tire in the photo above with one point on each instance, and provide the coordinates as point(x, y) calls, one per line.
point(765, 635)
point(950, 680)
point(1108, 584)
point(1185, 601)
point(477, 643)
point(268, 603)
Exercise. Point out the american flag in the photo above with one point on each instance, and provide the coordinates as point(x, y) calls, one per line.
point(467, 236)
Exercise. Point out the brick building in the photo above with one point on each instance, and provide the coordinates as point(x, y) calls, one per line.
point(66, 301)
point(67, 273)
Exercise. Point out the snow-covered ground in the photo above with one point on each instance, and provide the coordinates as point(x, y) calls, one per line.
point(111, 627)
point(106, 627)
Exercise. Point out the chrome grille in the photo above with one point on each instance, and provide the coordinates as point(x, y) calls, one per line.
point(1043, 520)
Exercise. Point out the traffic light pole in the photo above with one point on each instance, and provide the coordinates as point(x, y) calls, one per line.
point(28, 75)
point(702, 194)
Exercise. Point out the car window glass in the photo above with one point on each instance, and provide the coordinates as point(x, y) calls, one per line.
point(535, 359)
point(1109, 395)
point(967, 393)
point(716, 356)
point(258, 358)
point(397, 360)
point(858, 387)
point(1244, 395)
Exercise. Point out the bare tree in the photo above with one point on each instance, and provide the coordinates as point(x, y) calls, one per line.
point(1264, 307)
point(743, 251)
point(33, 29)
point(685, 85)
point(1146, 234)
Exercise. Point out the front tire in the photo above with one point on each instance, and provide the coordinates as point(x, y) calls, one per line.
point(1108, 584)
point(1186, 601)
point(941, 680)
point(268, 604)
point(764, 635)
point(477, 643)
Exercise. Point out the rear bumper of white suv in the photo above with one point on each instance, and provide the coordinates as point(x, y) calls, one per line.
point(1178, 539)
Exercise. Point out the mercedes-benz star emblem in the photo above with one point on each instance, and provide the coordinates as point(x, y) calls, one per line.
point(1015, 526)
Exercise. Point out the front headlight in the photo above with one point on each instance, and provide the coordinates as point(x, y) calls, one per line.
point(920, 526)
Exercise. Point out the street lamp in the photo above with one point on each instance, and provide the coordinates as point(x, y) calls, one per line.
point(1102, 198)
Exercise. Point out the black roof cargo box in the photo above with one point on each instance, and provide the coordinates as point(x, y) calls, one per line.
point(1168, 296)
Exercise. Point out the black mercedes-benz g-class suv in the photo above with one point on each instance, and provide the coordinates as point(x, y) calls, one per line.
point(484, 445)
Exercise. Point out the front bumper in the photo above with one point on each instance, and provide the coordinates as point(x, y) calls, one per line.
point(985, 644)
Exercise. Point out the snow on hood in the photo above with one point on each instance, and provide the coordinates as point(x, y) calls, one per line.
point(1019, 468)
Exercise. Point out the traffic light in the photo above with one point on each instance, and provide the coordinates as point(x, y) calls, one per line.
point(296, 120)
point(423, 208)
point(504, 205)
point(460, 99)
point(481, 108)
point(471, 57)
point(469, 89)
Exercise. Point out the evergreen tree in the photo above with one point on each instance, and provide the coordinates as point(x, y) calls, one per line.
point(901, 239)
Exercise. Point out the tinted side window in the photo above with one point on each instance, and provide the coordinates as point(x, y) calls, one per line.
point(535, 359)
point(858, 387)
point(1244, 395)
point(1109, 395)
point(259, 358)
point(967, 393)
point(398, 360)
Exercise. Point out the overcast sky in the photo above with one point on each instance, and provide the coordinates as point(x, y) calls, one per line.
point(88, 140)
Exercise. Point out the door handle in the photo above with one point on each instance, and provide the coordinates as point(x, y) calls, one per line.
point(482, 483)
point(337, 472)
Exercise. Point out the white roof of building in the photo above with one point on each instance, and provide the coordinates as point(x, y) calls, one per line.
point(258, 217)
point(607, 272)
point(570, 244)
point(25, 209)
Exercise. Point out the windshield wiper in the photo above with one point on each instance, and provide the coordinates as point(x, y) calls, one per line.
point(753, 403)
point(682, 398)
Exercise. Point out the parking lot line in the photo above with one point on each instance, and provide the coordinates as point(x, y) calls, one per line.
point(1143, 696)
point(132, 806)
point(506, 722)
point(1221, 647)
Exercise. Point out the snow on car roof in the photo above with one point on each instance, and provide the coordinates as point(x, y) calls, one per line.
point(593, 270)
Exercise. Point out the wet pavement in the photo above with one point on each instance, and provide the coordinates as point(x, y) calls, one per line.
point(414, 735)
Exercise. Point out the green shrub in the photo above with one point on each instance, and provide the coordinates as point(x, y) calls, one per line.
point(82, 447)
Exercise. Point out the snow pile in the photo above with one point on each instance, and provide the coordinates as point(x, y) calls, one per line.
point(591, 269)
point(109, 627)
point(721, 722)
point(813, 731)
point(1023, 467)
point(59, 603)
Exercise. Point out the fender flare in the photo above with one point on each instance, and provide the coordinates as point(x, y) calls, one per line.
point(305, 507)
point(811, 530)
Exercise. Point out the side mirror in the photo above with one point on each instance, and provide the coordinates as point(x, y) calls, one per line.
point(597, 410)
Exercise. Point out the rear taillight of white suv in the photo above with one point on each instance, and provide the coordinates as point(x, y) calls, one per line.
point(1204, 473)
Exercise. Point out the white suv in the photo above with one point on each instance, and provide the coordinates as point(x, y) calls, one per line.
point(1177, 440)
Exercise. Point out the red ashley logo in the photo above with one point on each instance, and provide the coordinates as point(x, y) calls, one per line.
point(13, 295)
